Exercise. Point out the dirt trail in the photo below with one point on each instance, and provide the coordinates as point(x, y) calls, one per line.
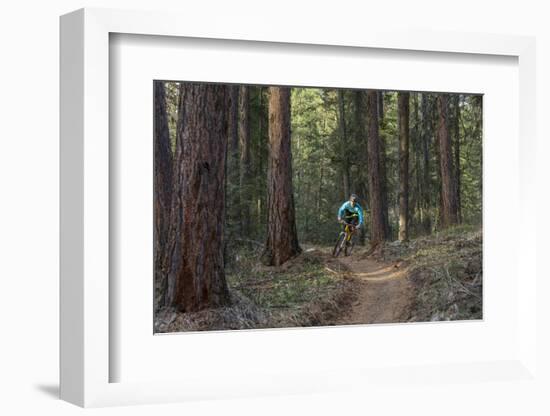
point(384, 293)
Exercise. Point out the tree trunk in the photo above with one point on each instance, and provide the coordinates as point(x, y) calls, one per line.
point(439, 184)
point(426, 182)
point(282, 238)
point(361, 142)
point(457, 156)
point(382, 164)
point(260, 160)
point(403, 111)
point(448, 191)
point(320, 190)
point(197, 278)
point(232, 167)
point(162, 188)
point(415, 200)
point(245, 173)
point(378, 231)
point(260, 156)
point(345, 147)
point(381, 107)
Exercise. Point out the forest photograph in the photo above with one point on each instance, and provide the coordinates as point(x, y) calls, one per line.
point(280, 207)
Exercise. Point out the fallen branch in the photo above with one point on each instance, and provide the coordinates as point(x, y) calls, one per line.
point(372, 249)
point(459, 284)
point(332, 271)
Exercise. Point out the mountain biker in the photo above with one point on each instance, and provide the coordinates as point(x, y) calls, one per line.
point(351, 212)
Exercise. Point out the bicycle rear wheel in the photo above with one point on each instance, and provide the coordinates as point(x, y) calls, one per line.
point(338, 246)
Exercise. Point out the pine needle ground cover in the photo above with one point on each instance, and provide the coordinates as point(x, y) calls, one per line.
point(442, 273)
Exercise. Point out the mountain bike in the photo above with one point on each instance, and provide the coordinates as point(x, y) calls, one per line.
point(345, 241)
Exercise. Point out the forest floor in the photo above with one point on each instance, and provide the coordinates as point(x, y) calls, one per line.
point(432, 278)
point(384, 293)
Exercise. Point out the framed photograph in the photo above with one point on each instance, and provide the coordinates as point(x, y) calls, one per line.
point(299, 226)
point(281, 213)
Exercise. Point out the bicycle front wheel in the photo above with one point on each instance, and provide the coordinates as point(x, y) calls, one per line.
point(338, 246)
point(349, 246)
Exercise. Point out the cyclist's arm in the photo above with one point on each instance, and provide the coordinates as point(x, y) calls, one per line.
point(341, 211)
point(360, 215)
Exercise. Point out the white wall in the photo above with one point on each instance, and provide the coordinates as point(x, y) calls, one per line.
point(29, 182)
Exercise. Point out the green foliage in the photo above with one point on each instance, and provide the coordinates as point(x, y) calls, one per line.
point(316, 152)
point(389, 131)
point(259, 148)
point(320, 152)
point(471, 154)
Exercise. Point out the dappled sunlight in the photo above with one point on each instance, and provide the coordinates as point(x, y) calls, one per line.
point(382, 275)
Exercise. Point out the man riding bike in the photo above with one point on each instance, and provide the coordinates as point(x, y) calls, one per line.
point(350, 215)
point(351, 212)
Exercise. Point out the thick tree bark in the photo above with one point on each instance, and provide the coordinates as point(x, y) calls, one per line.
point(233, 132)
point(245, 166)
point(378, 231)
point(345, 146)
point(162, 188)
point(282, 238)
point(448, 192)
point(197, 277)
point(403, 112)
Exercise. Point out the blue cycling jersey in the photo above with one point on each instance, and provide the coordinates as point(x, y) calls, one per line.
point(346, 206)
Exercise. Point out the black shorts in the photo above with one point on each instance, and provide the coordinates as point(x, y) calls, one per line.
point(350, 217)
point(352, 220)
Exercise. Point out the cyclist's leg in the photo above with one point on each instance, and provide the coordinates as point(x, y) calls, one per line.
point(344, 223)
point(354, 221)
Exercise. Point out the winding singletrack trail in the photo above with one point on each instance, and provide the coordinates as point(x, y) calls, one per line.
point(384, 292)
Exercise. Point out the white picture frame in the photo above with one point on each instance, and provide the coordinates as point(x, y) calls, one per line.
point(85, 353)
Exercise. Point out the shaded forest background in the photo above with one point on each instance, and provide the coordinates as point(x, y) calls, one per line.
point(413, 158)
point(323, 148)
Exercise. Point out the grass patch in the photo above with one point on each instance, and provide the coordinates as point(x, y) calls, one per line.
point(299, 293)
point(446, 270)
point(279, 288)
